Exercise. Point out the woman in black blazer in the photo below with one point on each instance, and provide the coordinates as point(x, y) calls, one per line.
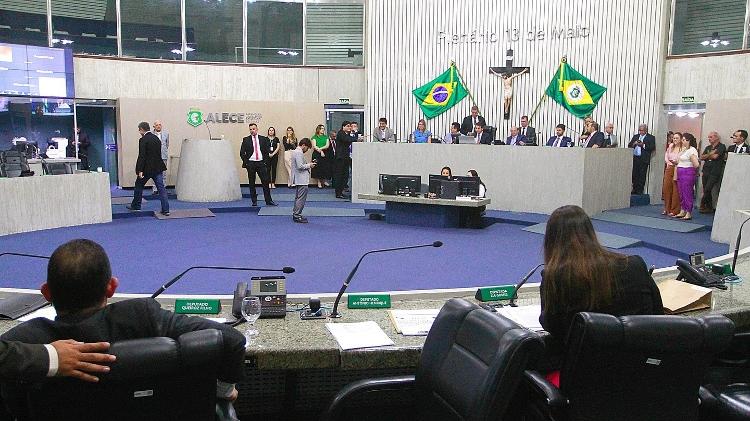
point(581, 275)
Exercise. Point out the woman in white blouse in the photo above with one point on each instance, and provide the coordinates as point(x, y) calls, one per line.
point(687, 169)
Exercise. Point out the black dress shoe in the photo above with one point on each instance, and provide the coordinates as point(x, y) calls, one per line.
point(255, 204)
point(340, 196)
point(130, 208)
point(271, 203)
point(299, 220)
point(165, 213)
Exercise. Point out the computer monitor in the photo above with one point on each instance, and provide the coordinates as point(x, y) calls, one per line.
point(469, 186)
point(435, 179)
point(409, 185)
point(388, 184)
point(449, 189)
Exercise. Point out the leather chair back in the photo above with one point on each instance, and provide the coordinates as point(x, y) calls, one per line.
point(152, 378)
point(639, 367)
point(472, 362)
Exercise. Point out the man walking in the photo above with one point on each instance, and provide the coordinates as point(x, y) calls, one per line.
point(341, 159)
point(149, 166)
point(163, 136)
point(300, 178)
point(255, 154)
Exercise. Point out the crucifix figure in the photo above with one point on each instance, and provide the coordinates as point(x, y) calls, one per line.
point(508, 73)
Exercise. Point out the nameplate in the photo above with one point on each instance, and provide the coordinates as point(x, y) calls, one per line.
point(369, 301)
point(197, 306)
point(503, 292)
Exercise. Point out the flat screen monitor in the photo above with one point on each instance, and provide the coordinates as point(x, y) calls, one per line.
point(469, 186)
point(409, 185)
point(388, 184)
point(435, 179)
point(36, 71)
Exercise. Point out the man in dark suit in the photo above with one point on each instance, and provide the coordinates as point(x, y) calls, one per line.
point(515, 138)
point(559, 140)
point(482, 137)
point(527, 130)
point(643, 144)
point(470, 121)
point(341, 159)
point(31, 362)
point(739, 140)
point(596, 138)
point(79, 283)
point(149, 166)
point(255, 154)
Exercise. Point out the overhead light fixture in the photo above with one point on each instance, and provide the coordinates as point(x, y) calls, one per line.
point(714, 41)
point(680, 114)
point(693, 115)
point(176, 51)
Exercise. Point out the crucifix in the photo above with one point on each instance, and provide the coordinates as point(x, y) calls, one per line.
point(508, 73)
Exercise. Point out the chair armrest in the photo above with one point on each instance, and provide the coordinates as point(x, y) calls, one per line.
point(555, 399)
point(738, 353)
point(350, 391)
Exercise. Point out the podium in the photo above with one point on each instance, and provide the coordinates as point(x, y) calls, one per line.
point(207, 172)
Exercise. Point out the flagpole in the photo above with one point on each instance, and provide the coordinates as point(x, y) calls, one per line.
point(460, 78)
point(564, 59)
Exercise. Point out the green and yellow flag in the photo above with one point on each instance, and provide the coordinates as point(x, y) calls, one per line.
point(574, 91)
point(440, 94)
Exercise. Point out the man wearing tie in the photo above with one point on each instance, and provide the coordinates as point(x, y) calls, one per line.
point(383, 133)
point(643, 143)
point(254, 152)
point(596, 138)
point(470, 121)
point(559, 140)
point(739, 138)
point(610, 140)
point(528, 131)
point(515, 138)
point(480, 136)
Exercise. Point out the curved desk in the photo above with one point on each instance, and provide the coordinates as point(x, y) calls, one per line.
point(207, 172)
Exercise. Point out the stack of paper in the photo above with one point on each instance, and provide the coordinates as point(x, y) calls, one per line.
point(358, 335)
point(526, 316)
point(413, 322)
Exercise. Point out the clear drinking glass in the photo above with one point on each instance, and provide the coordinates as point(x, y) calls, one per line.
point(250, 312)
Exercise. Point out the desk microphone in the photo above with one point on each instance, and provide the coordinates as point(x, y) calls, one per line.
point(209, 131)
point(334, 313)
point(737, 245)
point(164, 287)
point(512, 302)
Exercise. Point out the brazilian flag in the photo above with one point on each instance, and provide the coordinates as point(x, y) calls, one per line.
point(441, 93)
point(574, 91)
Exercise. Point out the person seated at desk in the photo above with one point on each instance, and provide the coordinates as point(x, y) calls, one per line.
point(596, 138)
point(383, 133)
point(482, 137)
point(472, 217)
point(454, 133)
point(559, 140)
point(515, 138)
point(421, 135)
point(446, 172)
point(79, 284)
point(581, 275)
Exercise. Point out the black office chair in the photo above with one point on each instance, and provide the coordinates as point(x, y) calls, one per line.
point(726, 390)
point(631, 368)
point(152, 378)
point(471, 364)
point(14, 164)
point(57, 168)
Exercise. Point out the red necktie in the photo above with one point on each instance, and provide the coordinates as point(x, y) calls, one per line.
point(255, 148)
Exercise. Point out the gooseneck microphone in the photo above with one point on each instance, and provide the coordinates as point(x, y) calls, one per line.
point(512, 302)
point(164, 287)
point(334, 312)
point(737, 245)
point(24, 255)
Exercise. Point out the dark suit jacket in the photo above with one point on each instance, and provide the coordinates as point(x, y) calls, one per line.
point(22, 361)
point(247, 149)
point(519, 138)
point(649, 145)
point(530, 134)
point(149, 156)
point(343, 142)
point(744, 146)
point(467, 125)
point(486, 138)
point(564, 143)
point(636, 294)
point(595, 139)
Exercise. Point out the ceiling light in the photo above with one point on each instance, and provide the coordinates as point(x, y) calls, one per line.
point(693, 115)
point(714, 41)
point(680, 114)
point(176, 51)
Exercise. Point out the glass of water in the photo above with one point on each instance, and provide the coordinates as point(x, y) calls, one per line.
point(250, 312)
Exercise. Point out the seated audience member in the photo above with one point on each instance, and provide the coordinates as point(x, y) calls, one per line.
point(739, 139)
point(421, 135)
point(79, 283)
point(713, 157)
point(515, 138)
point(482, 137)
point(581, 275)
point(472, 217)
point(454, 133)
point(610, 139)
point(559, 140)
point(596, 138)
point(446, 172)
point(586, 130)
point(528, 131)
point(64, 358)
point(470, 121)
point(482, 187)
point(383, 133)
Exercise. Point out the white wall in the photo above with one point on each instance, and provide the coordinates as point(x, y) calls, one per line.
point(707, 78)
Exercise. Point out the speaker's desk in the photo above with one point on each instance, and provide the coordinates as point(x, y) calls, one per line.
point(422, 211)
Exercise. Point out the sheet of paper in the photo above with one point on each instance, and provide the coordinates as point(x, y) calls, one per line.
point(526, 316)
point(358, 335)
point(413, 322)
point(47, 312)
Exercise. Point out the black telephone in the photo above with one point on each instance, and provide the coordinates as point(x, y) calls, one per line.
point(271, 290)
point(699, 274)
point(240, 292)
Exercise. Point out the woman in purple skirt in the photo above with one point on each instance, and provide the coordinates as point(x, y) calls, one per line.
point(687, 170)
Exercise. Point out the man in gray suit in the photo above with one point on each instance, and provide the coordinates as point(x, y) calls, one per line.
point(163, 136)
point(300, 178)
point(383, 133)
point(610, 139)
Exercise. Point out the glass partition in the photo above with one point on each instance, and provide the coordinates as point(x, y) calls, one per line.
point(274, 32)
point(707, 26)
point(88, 26)
point(24, 22)
point(151, 29)
point(335, 32)
point(216, 30)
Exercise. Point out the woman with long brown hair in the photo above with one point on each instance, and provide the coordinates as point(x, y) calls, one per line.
point(581, 275)
point(290, 144)
point(670, 192)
